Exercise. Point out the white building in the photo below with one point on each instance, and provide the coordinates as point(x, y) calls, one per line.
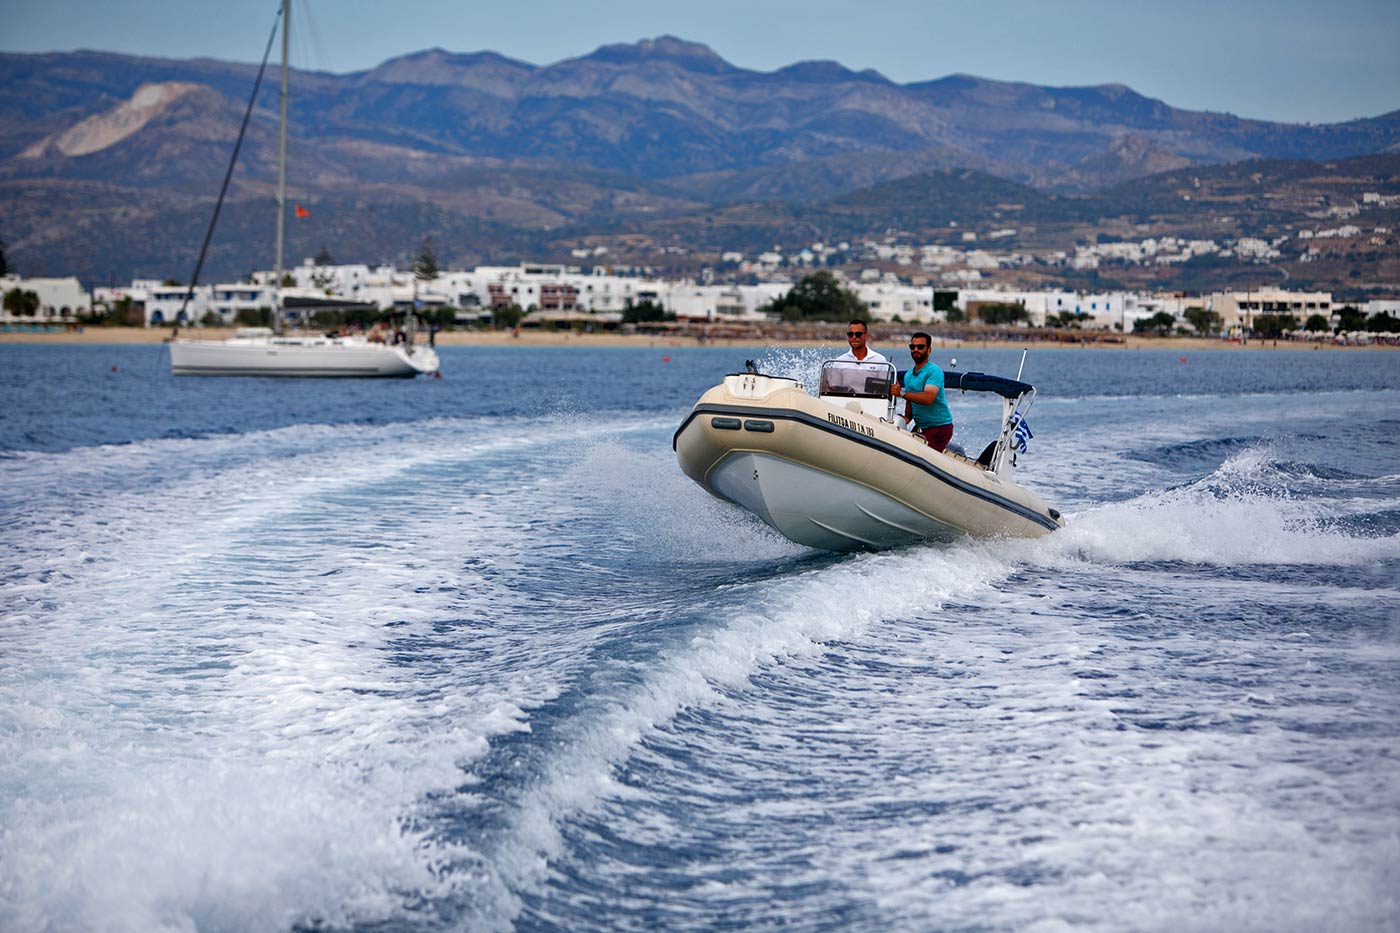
point(1038, 304)
point(1149, 305)
point(351, 282)
point(110, 299)
point(165, 304)
point(721, 302)
point(1238, 309)
point(1102, 311)
point(59, 299)
point(1109, 311)
point(887, 301)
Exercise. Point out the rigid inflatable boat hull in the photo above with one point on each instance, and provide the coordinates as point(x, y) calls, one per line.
point(818, 509)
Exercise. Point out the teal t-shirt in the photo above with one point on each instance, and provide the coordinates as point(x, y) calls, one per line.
point(926, 377)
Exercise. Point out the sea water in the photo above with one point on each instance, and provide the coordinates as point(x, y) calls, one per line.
point(473, 653)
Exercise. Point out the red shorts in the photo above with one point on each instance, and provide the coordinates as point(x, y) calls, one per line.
point(937, 436)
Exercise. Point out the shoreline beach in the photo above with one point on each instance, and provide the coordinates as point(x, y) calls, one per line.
point(539, 338)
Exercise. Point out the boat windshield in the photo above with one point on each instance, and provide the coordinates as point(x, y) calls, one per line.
point(858, 380)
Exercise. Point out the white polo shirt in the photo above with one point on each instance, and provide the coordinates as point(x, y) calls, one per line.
point(870, 357)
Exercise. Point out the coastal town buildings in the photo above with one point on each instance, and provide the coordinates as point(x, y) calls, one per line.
point(556, 294)
point(899, 278)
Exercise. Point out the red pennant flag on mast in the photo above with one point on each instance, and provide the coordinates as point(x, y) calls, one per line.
point(302, 212)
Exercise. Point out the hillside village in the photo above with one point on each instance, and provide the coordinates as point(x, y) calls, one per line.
point(958, 183)
point(1104, 285)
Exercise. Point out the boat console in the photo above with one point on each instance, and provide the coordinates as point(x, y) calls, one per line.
point(862, 387)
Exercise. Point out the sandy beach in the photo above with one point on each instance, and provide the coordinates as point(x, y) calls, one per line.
point(542, 338)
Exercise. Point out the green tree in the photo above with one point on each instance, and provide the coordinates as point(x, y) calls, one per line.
point(1205, 321)
point(21, 303)
point(1317, 323)
point(254, 317)
point(425, 264)
point(644, 312)
point(1002, 313)
point(955, 315)
point(507, 316)
point(364, 317)
point(322, 280)
point(1274, 325)
point(1074, 319)
point(1160, 324)
point(125, 313)
point(820, 297)
point(1383, 323)
point(211, 319)
point(945, 299)
point(1351, 319)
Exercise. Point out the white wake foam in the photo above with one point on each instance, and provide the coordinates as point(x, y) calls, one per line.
point(1239, 515)
point(222, 700)
point(770, 623)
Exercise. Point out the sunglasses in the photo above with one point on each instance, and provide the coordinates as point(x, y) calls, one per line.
point(918, 346)
point(854, 333)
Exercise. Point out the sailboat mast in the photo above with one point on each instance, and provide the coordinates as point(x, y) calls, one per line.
point(281, 170)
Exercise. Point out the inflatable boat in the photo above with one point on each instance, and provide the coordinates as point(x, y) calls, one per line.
point(841, 471)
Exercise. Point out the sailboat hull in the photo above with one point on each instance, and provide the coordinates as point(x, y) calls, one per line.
point(317, 358)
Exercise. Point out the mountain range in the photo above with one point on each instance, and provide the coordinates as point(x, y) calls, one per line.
point(109, 163)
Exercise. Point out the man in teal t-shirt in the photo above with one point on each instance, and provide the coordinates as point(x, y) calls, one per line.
point(923, 390)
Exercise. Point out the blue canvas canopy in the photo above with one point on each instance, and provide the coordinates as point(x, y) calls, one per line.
point(981, 382)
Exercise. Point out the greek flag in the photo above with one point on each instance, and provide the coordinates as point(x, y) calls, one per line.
point(1020, 433)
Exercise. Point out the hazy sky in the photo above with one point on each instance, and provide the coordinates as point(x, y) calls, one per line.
point(1278, 60)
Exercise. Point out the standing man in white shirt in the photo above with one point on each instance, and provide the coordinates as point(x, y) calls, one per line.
point(856, 335)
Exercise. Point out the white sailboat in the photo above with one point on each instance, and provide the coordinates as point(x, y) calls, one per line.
point(261, 351)
point(258, 351)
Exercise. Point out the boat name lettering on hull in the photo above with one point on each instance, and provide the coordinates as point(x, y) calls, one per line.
point(850, 425)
